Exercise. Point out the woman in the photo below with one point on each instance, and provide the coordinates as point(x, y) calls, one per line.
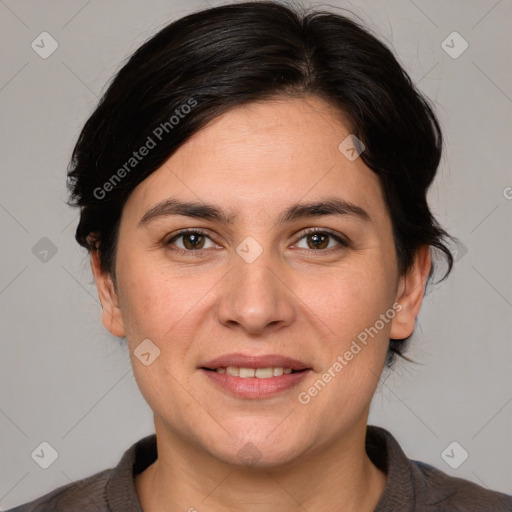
point(252, 190)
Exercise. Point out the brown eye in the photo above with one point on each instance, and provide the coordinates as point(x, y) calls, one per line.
point(190, 241)
point(318, 240)
point(193, 241)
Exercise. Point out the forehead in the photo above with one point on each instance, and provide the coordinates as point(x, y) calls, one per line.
point(269, 153)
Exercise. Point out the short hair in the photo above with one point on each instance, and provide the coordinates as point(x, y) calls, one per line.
point(212, 61)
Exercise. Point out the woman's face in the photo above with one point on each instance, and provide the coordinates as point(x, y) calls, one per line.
point(261, 285)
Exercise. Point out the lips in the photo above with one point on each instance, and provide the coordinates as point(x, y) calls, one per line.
point(250, 361)
point(255, 377)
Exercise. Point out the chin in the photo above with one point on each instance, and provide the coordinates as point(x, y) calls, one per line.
point(264, 448)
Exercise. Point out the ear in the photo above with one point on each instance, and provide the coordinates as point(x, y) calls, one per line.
point(111, 313)
point(411, 288)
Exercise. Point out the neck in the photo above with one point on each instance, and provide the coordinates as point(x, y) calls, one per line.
point(338, 475)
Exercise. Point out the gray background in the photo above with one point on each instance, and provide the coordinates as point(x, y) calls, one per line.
point(66, 381)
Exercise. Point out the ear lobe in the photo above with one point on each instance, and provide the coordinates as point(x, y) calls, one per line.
point(111, 313)
point(411, 289)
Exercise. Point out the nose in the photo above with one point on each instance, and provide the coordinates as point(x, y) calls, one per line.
point(256, 297)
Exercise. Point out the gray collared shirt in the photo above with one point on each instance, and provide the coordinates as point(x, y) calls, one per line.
point(411, 485)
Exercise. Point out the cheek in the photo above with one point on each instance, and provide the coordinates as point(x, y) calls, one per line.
point(354, 298)
point(153, 302)
point(168, 309)
point(159, 308)
point(355, 351)
point(358, 309)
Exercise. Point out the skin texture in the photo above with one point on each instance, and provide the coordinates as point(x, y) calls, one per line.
point(295, 300)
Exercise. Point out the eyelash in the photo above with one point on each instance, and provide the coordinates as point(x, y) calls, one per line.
point(344, 243)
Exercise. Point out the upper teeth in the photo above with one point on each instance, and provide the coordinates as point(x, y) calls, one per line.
point(260, 373)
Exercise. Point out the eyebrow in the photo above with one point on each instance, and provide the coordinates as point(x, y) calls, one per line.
point(329, 206)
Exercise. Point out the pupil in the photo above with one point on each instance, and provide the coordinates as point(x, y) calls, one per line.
point(193, 239)
point(316, 238)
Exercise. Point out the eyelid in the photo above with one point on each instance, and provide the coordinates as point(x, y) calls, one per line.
point(342, 239)
point(187, 231)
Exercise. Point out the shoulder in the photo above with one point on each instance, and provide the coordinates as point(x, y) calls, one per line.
point(416, 486)
point(442, 492)
point(108, 490)
point(85, 494)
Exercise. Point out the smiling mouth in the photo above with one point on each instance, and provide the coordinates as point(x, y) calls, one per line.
point(255, 383)
point(258, 373)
